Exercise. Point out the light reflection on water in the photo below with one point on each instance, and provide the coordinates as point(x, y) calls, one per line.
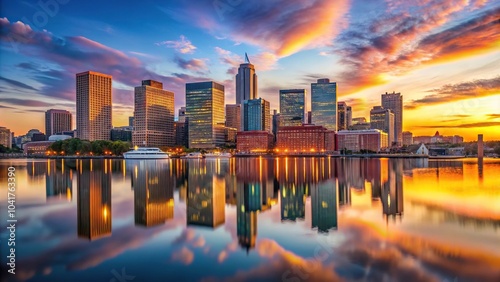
point(246, 219)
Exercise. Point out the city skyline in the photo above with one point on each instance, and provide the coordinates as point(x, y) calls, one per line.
point(440, 55)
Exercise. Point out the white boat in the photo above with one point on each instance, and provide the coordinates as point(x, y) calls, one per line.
point(194, 155)
point(145, 153)
point(218, 155)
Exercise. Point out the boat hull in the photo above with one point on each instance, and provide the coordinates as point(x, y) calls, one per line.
point(146, 157)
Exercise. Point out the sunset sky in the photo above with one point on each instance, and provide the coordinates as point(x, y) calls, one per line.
point(442, 55)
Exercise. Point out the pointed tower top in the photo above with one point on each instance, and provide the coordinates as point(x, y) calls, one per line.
point(246, 58)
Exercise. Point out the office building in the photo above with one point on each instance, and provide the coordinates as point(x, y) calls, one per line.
point(305, 139)
point(181, 134)
point(5, 137)
point(382, 119)
point(254, 141)
point(57, 121)
point(233, 116)
point(205, 113)
point(324, 103)
point(182, 114)
point(356, 140)
point(407, 138)
point(348, 114)
point(394, 102)
point(122, 133)
point(342, 116)
point(153, 115)
point(93, 106)
point(292, 107)
point(256, 114)
point(246, 82)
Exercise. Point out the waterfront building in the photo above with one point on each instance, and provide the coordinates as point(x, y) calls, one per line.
point(382, 119)
point(357, 140)
point(93, 106)
point(153, 115)
point(122, 133)
point(305, 139)
point(292, 107)
point(256, 114)
point(246, 86)
point(324, 103)
point(37, 148)
point(205, 113)
point(57, 121)
point(407, 138)
point(254, 141)
point(394, 102)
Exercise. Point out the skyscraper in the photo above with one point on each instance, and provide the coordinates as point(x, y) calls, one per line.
point(256, 114)
point(182, 114)
point(246, 85)
point(382, 119)
point(233, 116)
point(93, 106)
point(394, 102)
point(5, 137)
point(348, 115)
point(324, 103)
point(246, 82)
point(205, 113)
point(292, 107)
point(57, 121)
point(342, 116)
point(153, 115)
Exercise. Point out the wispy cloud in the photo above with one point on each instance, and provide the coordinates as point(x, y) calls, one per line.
point(197, 65)
point(17, 83)
point(183, 45)
point(459, 91)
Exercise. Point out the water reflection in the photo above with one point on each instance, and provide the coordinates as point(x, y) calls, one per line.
point(94, 199)
point(153, 193)
point(270, 209)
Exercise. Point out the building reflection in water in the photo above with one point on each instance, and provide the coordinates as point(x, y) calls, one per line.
point(324, 205)
point(392, 190)
point(59, 180)
point(153, 193)
point(205, 193)
point(94, 198)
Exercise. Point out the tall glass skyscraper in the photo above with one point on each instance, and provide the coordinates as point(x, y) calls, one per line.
point(292, 107)
point(256, 115)
point(324, 103)
point(246, 86)
point(205, 113)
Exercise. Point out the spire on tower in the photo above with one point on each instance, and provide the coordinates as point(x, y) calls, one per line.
point(246, 58)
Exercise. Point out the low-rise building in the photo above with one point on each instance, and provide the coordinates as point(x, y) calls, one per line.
point(37, 147)
point(305, 139)
point(357, 140)
point(254, 141)
point(122, 133)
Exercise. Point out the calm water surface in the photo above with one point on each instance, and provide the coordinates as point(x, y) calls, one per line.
point(254, 219)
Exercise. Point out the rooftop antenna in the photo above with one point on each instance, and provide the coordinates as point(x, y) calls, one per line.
point(246, 58)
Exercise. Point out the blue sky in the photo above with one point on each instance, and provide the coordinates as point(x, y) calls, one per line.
point(439, 54)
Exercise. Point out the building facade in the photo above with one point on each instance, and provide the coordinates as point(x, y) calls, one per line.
point(233, 116)
point(93, 106)
point(57, 121)
point(153, 115)
point(254, 141)
point(256, 114)
point(305, 139)
point(205, 113)
point(246, 86)
point(324, 103)
point(407, 138)
point(356, 140)
point(182, 114)
point(292, 107)
point(342, 116)
point(383, 119)
point(394, 102)
point(122, 133)
point(5, 137)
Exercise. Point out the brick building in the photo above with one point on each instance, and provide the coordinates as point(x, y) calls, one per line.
point(305, 138)
point(254, 141)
